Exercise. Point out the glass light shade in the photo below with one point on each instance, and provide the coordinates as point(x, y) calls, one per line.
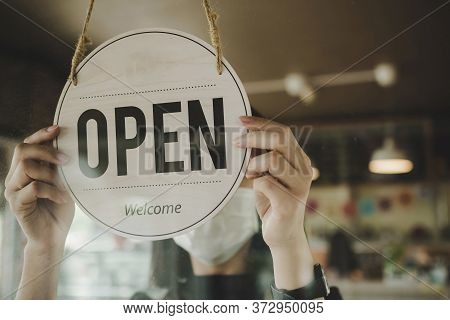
point(389, 160)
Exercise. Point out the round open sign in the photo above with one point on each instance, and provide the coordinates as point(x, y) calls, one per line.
point(149, 132)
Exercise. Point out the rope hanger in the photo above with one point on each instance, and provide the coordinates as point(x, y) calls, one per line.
point(214, 34)
point(80, 49)
point(84, 41)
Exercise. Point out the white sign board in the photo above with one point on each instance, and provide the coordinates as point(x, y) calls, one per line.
point(149, 130)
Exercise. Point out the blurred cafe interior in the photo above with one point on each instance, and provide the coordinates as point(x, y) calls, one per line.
point(365, 84)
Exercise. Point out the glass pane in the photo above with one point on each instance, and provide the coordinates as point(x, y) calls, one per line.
point(352, 171)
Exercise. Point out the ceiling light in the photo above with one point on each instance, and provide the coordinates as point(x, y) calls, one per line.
point(300, 86)
point(385, 74)
point(389, 160)
point(297, 85)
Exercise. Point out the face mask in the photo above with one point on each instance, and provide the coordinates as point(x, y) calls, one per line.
point(221, 238)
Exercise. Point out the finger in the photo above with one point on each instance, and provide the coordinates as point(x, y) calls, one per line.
point(29, 170)
point(257, 123)
point(281, 141)
point(285, 132)
point(281, 199)
point(303, 163)
point(43, 135)
point(271, 189)
point(24, 151)
point(275, 164)
point(256, 152)
point(271, 140)
point(262, 204)
point(39, 190)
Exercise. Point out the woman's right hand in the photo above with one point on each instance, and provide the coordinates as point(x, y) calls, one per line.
point(36, 193)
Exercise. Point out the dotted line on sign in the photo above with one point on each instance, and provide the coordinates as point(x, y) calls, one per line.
point(147, 91)
point(152, 185)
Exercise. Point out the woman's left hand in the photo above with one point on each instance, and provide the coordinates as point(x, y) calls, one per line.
point(282, 179)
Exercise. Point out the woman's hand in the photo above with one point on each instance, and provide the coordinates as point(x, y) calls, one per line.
point(43, 209)
point(282, 179)
point(36, 193)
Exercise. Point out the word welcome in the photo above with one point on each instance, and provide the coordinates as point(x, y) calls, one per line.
point(146, 209)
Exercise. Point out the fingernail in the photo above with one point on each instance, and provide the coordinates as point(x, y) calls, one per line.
point(245, 119)
point(62, 158)
point(52, 128)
